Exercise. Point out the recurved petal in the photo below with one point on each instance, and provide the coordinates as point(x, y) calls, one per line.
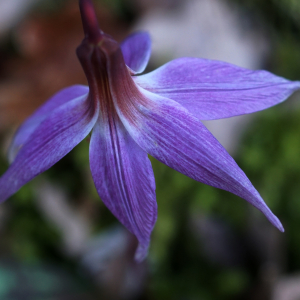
point(124, 180)
point(136, 50)
point(168, 132)
point(30, 125)
point(212, 89)
point(57, 135)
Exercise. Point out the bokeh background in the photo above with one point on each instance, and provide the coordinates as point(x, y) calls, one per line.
point(59, 242)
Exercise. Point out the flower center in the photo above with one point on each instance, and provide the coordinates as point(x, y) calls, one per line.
point(108, 76)
point(95, 66)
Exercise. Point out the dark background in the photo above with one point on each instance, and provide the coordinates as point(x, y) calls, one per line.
point(59, 242)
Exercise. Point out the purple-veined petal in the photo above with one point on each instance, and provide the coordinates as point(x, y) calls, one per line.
point(124, 180)
point(168, 132)
point(30, 124)
point(56, 136)
point(213, 90)
point(136, 50)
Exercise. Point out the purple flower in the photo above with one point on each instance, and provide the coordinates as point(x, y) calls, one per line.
point(131, 116)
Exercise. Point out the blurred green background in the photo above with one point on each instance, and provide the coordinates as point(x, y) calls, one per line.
point(207, 243)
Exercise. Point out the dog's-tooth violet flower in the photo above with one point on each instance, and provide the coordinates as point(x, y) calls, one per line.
point(131, 116)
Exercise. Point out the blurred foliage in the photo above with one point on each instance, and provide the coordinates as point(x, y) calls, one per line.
point(280, 15)
point(39, 281)
point(121, 8)
point(270, 157)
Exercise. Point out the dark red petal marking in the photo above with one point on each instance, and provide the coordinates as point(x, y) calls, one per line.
point(104, 66)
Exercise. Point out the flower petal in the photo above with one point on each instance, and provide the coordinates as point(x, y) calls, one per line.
point(136, 51)
point(29, 126)
point(124, 180)
point(64, 128)
point(168, 132)
point(213, 90)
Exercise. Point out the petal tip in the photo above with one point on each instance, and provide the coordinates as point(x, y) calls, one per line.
point(280, 226)
point(276, 222)
point(141, 252)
